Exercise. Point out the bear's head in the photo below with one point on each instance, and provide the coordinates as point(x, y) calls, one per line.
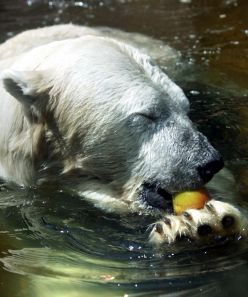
point(110, 115)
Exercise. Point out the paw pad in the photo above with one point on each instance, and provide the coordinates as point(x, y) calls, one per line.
point(228, 221)
point(204, 230)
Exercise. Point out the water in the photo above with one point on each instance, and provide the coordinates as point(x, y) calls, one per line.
point(55, 245)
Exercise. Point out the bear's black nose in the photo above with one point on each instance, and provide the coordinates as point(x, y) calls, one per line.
point(207, 171)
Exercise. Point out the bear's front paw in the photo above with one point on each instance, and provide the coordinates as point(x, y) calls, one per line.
point(215, 219)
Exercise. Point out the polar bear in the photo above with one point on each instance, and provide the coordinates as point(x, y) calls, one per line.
point(87, 110)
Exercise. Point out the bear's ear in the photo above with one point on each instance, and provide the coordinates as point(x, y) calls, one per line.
point(28, 87)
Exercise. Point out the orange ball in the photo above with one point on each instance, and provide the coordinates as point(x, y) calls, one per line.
point(190, 199)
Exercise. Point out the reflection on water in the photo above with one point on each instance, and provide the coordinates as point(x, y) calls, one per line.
point(66, 246)
point(55, 245)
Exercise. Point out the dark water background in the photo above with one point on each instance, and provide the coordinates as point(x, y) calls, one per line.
point(54, 245)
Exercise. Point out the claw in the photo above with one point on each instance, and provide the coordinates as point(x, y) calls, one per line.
point(187, 216)
point(159, 228)
point(167, 221)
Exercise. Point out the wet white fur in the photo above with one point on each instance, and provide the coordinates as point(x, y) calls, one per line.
point(72, 100)
point(82, 95)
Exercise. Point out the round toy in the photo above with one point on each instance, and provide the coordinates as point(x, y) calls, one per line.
point(190, 199)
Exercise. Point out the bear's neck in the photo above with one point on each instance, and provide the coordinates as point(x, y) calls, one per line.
point(16, 144)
